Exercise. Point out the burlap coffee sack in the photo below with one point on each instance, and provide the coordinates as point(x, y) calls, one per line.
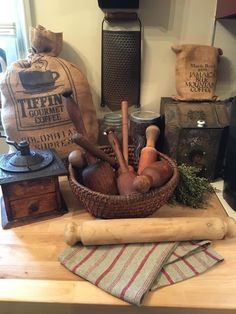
point(45, 41)
point(34, 109)
point(196, 71)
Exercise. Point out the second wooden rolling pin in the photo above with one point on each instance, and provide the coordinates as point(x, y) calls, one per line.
point(137, 230)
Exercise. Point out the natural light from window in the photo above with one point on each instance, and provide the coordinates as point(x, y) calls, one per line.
point(12, 31)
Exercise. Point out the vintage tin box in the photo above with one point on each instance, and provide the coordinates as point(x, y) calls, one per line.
point(196, 134)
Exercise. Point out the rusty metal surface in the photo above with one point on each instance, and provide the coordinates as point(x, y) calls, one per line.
point(56, 168)
point(203, 147)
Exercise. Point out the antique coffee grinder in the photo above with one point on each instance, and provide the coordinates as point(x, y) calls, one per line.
point(30, 187)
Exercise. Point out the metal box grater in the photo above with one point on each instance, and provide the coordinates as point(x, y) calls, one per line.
point(121, 61)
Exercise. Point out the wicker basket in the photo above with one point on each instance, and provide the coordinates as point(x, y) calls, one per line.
point(128, 206)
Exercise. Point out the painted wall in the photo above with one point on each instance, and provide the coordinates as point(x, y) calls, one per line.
point(165, 22)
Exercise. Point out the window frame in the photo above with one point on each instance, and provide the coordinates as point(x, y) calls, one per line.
point(20, 28)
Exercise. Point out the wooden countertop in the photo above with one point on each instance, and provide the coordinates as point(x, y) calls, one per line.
point(30, 272)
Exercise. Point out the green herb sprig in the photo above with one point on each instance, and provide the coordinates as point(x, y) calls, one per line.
point(191, 190)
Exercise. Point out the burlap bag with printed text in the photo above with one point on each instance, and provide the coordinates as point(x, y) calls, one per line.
point(32, 105)
point(196, 72)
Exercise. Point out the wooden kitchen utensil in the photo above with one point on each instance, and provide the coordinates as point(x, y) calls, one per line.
point(125, 175)
point(149, 153)
point(124, 112)
point(155, 175)
point(135, 205)
point(98, 175)
point(141, 230)
point(125, 132)
point(82, 141)
point(77, 158)
point(74, 112)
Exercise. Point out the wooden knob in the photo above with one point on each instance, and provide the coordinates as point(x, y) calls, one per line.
point(77, 158)
point(230, 225)
point(72, 233)
point(152, 134)
point(142, 184)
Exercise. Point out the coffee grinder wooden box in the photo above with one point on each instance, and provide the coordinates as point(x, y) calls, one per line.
point(196, 133)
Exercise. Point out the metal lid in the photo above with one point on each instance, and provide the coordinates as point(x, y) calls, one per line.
point(112, 119)
point(17, 162)
point(25, 160)
point(144, 116)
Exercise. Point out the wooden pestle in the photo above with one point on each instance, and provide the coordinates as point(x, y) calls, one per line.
point(141, 230)
point(124, 111)
point(155, 175)
point(149, 153)
point(125, 132)
point(98, 175)
point(125, 175)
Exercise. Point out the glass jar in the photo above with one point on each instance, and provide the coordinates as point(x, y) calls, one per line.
point(110, 120)
point(139, 121)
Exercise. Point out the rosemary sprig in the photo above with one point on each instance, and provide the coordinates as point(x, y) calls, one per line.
point(192, 190)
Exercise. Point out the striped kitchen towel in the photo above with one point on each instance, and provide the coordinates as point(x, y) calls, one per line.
point(130, 271)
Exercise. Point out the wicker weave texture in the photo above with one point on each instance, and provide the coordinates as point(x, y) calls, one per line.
point(128, 206)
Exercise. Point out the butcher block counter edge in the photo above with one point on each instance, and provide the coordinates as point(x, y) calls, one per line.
point(213, 290)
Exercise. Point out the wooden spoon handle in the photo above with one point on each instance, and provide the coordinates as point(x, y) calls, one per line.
point(152, 134)
point(124, 111)
point(77, 119)
point(74, 112)
point(112, 139)
point(82, 141)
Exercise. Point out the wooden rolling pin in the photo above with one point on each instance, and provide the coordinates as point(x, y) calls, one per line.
point(138, 230)
point(149, 153)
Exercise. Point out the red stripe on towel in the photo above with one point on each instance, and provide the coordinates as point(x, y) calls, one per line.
point(122, 294)
point(179, 271)
point(146, 283)
point(200, 260)
point(164, 272)
point(71, 254)
point(118, 277)
point(84, 259)
point(96, 264)
point(212, 256)
point(193, 269)
point(111, 265)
